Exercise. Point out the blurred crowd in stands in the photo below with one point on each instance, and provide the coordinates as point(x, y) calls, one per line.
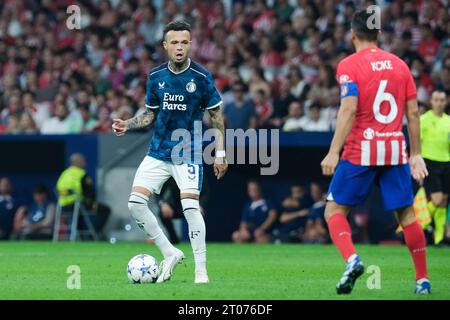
point(272, 60)
point(32, 217)
point(298, 217)
point(33, 220)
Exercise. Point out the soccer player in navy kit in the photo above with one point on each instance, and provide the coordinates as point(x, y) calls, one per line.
point(178, 92)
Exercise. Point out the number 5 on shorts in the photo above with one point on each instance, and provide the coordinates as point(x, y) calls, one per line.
point(191, 169)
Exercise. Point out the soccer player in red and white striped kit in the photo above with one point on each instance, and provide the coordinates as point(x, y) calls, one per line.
point(377, 90)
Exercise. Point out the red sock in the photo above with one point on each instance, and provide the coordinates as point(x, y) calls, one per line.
point(415, 240)
point(341, 235)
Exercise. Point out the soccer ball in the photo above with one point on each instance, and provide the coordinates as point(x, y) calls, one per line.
point(143, 268)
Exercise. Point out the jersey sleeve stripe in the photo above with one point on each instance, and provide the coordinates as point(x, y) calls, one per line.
point(411, 97)
point(151, 107)
point(215, 106)
point(199, 72)
point(157, 71)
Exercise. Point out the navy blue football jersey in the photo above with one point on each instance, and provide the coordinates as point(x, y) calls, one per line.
point(181, 97)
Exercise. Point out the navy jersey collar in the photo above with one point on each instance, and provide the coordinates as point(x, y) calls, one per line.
point(174, 72)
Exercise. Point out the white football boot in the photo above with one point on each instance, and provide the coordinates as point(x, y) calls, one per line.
point(168, 265)
point(201, 277)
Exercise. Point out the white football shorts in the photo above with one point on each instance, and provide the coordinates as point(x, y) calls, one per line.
point(153, 173)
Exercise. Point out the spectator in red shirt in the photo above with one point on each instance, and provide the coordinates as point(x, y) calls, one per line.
point(264, 16)
point(104, 121)
point(269, 58)
point(418, 66)
point(203, 48)
point(429, 46)
point(39, 54)
point(264, 108)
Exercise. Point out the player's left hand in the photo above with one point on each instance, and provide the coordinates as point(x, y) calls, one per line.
point(418, 168)
point(329, 164)
point(220, 167)
point(119, 127)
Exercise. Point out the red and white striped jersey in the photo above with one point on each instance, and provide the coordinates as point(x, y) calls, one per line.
point(383, 84)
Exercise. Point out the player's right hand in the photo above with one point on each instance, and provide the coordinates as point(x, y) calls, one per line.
point(418, 168)
point(329, 164)
point(220, 167)
point(119, 127)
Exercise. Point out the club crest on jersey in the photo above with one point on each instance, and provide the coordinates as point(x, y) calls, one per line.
point(368, 134)
point(344, 79)
point(161, 85)
point(191, 86)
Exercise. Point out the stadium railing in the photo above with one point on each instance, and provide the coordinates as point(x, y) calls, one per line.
point(67, 223)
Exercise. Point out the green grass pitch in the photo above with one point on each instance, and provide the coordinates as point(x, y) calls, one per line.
point(37, 270)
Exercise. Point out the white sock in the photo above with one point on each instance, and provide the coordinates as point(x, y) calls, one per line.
point(352, 257)
point(197, 232)
point(145, 219)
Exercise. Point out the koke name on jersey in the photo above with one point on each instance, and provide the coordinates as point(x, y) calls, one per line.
point(381, 65)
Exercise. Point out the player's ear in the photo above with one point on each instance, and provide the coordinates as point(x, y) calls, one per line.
point(353, 34)
point(165, 45)
point(378, 35)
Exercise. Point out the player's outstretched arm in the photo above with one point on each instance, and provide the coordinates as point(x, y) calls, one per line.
point(418, 167)
point(344, 123)
point(120, 126)
point(220, 163)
